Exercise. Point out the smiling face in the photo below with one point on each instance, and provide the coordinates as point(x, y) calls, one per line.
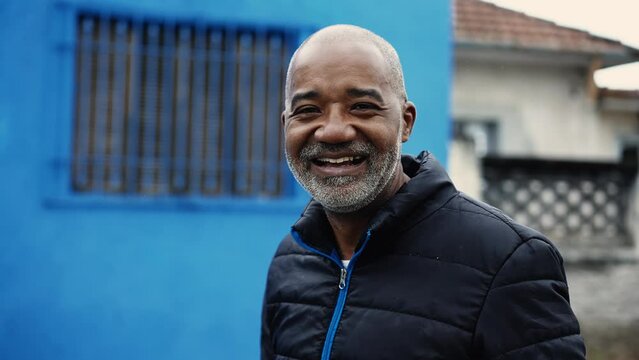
point(344, 124)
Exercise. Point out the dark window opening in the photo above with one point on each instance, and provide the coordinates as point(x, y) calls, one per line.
point(178, 109)
point(483, 134)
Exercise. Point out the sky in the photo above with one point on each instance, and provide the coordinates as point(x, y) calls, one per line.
point(613, 19)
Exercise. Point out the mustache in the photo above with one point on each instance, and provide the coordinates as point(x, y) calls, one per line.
point(315, 150)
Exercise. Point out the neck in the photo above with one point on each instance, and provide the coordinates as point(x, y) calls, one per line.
point(349, 227)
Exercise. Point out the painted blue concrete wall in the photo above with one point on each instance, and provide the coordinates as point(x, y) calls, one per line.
point(146, 280)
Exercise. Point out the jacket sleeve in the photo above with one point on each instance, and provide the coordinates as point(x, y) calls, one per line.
point(526, 313)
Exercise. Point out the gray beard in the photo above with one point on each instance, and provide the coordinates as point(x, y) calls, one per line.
point(346, 194)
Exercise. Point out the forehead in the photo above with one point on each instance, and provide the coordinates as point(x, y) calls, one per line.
point(339, 65)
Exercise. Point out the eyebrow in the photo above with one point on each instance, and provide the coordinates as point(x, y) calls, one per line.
point(357, 92)
point(312, 94)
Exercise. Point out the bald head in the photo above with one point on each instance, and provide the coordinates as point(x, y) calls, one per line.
point(351, 33)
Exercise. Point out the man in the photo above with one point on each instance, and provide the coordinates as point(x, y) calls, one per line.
point(389, 260)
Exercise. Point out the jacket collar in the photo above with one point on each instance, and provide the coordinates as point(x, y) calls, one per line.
point(428, 189)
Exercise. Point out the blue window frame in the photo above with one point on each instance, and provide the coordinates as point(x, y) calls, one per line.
point(168, 110)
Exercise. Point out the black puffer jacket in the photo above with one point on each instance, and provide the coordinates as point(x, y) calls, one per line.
point(437, 276)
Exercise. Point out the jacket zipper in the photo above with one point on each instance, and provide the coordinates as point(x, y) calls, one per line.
point(344, 282)
point(342, 279)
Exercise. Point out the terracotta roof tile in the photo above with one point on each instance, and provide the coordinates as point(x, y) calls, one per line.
point(479, 22)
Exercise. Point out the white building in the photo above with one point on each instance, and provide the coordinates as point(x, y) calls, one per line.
point(524, 93)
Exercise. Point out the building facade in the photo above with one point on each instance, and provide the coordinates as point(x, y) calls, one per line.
point(143, 188)
point(535, 136)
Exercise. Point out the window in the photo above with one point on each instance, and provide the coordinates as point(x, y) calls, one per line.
point(483, 134)
point(630, 150)
point(165, 109)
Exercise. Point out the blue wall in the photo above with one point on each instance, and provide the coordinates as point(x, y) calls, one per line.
point(116, 279)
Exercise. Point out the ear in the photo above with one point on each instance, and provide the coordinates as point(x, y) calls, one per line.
point(409, 113)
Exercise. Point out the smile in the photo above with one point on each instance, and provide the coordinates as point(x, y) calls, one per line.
point(345, 160)
point(339, 165)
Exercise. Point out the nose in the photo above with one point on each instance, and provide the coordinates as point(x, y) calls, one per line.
point(336, 128)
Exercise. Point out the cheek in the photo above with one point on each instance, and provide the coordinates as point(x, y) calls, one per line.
point(383, 131)
point(294, 138)
point(386, 137)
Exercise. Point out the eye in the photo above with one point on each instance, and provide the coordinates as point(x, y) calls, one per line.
point(363, 106)
point(306, 109)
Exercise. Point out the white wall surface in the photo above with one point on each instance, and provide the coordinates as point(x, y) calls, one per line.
point(541, 110)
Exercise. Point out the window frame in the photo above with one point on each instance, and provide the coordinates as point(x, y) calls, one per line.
point(58, 121)
point(490, 127)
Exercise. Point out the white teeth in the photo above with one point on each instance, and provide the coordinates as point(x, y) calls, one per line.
point(339, 160)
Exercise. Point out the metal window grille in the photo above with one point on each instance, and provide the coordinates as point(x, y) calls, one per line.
point(178, 108)
point(578, 204)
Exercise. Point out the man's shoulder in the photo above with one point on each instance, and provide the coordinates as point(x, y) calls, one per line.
point(473, 233)
point(492, 218)
point(287, 246)
point(499, 219)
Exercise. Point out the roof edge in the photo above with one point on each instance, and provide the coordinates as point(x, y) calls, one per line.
point(626, 54)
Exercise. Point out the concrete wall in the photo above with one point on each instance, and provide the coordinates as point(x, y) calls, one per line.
point(464, 167)
point(135, 278)
point(541, 110)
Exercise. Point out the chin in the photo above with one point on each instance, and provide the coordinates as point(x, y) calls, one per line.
point(347, 198)
point(344, 209)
